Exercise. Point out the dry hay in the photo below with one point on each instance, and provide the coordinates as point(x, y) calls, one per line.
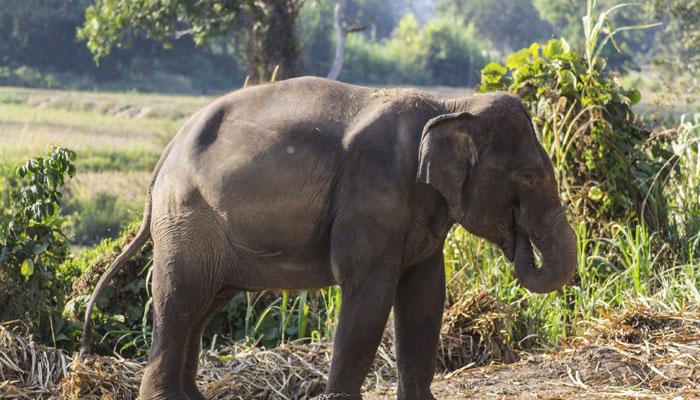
point(656, 351)
point(475, 332)
point(639, 353)
point(290, 371)
point(27, 369)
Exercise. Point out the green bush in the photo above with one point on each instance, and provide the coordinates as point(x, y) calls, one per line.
point(610, 167)
point(123, 319)
point(441, 53)
point(32, 243)
point(684, 190)
point(27, 77)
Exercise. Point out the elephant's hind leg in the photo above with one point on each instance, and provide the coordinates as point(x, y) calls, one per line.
point(189, 371)
point(181, 297)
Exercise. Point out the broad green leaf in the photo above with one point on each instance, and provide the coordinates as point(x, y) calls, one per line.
point(27, 268)
point(635, 96)
point(493, 69)
point(595, 193)
point(553, 49)
point(518, 59)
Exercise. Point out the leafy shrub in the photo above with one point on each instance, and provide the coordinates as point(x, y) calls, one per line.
point(441, 53)
point(27, 77)
point(122, 322)
point(610, 167)
point(32, 242)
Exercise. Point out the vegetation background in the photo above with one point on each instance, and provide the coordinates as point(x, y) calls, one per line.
point(94, 89)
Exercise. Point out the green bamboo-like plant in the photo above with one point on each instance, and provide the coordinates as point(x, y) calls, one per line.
point(596, 28)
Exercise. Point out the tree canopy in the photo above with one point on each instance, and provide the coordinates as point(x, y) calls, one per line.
point(265, 32)
point(508, 24)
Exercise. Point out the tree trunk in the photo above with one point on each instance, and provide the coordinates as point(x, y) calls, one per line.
point(340, 45)
point(269, 40)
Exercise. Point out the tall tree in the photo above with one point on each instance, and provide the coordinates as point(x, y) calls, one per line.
point(508, 24)
point(40, 33)
point(264, 31)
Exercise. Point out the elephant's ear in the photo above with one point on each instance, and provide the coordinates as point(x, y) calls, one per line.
point(446, 154)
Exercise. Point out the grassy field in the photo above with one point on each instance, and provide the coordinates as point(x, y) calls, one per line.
point(118, 138)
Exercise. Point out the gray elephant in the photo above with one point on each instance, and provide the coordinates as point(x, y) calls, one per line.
point(308, 183)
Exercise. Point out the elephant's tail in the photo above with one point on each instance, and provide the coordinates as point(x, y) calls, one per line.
point(141, 238)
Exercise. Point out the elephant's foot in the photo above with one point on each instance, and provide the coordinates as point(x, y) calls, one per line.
point(194, 394)
point(422, 396)
point(340, 396)
point(154, 387)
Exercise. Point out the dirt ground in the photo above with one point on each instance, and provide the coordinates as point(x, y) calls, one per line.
point(636, 355)
point(588, 372)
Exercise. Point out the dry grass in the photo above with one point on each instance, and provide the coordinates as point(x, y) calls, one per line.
point(28, 370)
point(290, 371)
point(475, 332)
point(638, 354)
point(472, 335)
point(635, 355)
point(664, 347)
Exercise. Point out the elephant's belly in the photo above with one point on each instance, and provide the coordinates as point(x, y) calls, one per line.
point(278, 202)
point(283, 274)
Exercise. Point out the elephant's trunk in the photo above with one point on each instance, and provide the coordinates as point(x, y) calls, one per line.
point(556, 241)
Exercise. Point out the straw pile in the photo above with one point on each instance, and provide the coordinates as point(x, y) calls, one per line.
point(655, 351)
point(28, 370)
point(638, 352)
point(290, 371)
point(475, 332)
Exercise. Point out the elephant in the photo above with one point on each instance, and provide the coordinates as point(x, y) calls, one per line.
point(306, 183)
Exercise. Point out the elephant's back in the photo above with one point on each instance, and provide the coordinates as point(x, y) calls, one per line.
point(263, 163)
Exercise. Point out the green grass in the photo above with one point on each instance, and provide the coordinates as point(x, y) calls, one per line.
point(117, 137)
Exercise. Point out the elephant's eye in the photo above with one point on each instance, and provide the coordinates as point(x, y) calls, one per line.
point(526, 177)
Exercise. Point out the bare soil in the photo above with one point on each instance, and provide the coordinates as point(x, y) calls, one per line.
point(586, 372)
point(635, 355)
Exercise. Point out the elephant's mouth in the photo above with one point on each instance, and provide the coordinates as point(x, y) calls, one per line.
point(508, 247)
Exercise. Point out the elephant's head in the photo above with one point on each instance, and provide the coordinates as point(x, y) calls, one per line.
point(499, 183)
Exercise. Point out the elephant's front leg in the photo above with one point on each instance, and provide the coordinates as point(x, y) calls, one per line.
point(368, 284)
point(420, 299)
